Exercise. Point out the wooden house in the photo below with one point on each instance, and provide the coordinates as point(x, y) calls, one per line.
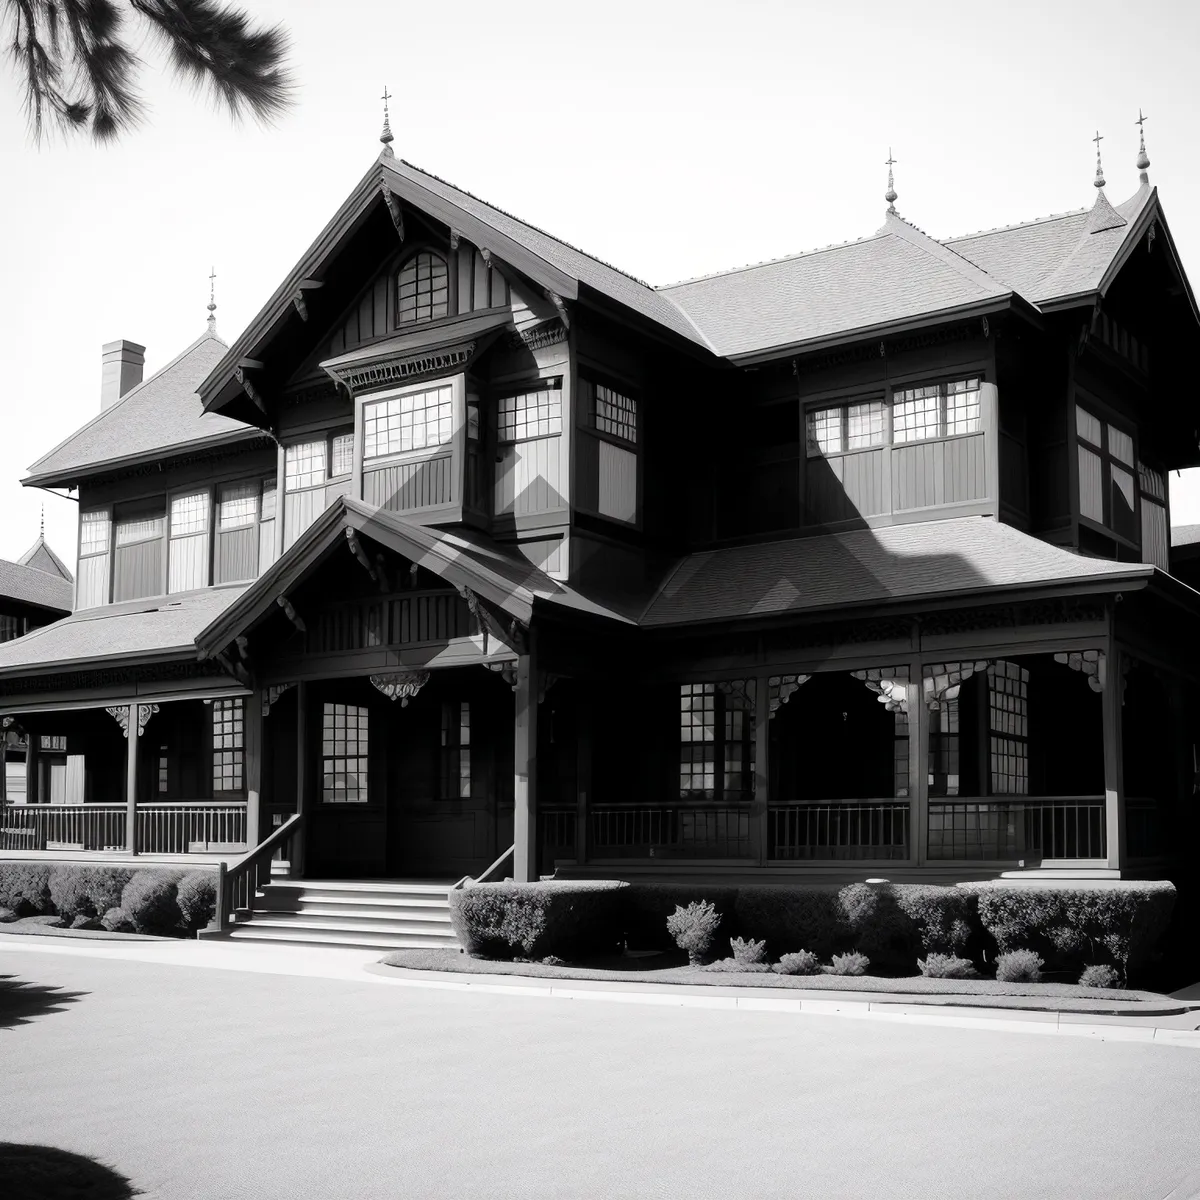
point(850, 563)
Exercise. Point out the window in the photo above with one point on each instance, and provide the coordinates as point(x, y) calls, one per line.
point(715, 727)
point(134, 530)
point(1156, 545)
point(93, 532)
point(342, 455)
point(138, 555)
point(608, 411)
point(343, 754)
point(11, 627)
point(52, 742)
point(456, 750)
point(531, 414)
point(245, 539)
point(187, 563)
point(266, 525)
point(237, 506)
point(1008, 725)
point(856, 426)
point(422, 289)
point(228, 745)
point(304, 465)
point(1106, 480)
point(944, 776)
point(936, 410)
point(307, 470)
point(95, 535)
point(416, 421)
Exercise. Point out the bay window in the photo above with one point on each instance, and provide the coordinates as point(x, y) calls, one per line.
point(1106, 474)
point(420, 420)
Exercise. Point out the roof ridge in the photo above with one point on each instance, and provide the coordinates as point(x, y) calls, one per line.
point(1062, 216)
point(948, 255)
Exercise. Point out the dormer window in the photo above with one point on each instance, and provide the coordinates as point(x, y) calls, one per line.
point(422, 289)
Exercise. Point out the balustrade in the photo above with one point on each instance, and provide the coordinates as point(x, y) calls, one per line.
point(999, 830)
point(853, 829)
point(162, 828)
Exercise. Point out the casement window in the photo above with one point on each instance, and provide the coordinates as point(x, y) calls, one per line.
point(244, 546)
point(944, 750)
point(415, 421)
point(609, 411)
point(344, 754)
point(530, 414)
point(228, 745)
point(187, 550)
point(716, 744)
point(456, 750)
point(138, 554)
point(936, 410)
point(855, 426)
point(1008, 727)
point(422, 289)
point(95, 537)
point(315, 473)
point(1106, 479)
point(1156, 541)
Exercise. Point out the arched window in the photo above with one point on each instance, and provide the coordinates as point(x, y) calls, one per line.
point(422, 289)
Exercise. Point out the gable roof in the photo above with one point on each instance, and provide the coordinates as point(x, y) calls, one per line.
point(161, 413)
point(41, 557)
point(27, 584)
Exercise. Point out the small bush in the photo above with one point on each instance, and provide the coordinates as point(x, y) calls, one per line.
point(116, 920)
point(645, 908)
point(25, 888)
point(879, 927)
point(736, 966)
point(747, 951)
point(69, 891)
point(1019, 966)
point(694, 928)
point(787, 916)
point(1100, 975)
point(197, 899)
point(947, 966)
point(571, 919)
point(945, 919)
point(802, 962)
point(853, 963)
point(150, 901)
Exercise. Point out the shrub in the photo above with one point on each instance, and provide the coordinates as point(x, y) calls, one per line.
point(197, 899)
point(69, 891)
point(1100, 975)
point(116, 920)
point(25, 888)
point(747, 951)
point(947, 966)
point(105, 886)
point(645, 908)
point(736, 965)
point(879, 927)
point(694, 928)
point(1019, 966)
point(802, 962)
point(853, 963)
point(793, 916)
point(1121, 920)
point(944, 918)
point(149, 899)
point(565, 918)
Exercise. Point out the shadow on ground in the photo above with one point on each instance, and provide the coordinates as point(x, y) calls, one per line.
point(47, 1173)
point(21, 1001)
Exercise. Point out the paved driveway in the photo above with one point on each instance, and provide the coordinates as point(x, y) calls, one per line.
point(226, 1084)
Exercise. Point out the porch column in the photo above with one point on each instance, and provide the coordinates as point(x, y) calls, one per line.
point(253, 751)
point(525, 772)
point(132, 733)
point(31, 768)
point(918, 768)
point(1114, 761)
point(299, 841)
point(760, 805)
point(583, 774)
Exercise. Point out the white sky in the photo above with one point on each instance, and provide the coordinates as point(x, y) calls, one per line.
point(669, 138)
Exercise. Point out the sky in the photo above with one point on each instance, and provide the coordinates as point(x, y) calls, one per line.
point(670, 139)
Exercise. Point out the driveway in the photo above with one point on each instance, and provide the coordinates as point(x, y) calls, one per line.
point(223, 1084)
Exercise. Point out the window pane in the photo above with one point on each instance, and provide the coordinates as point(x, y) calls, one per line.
point(962, 406)
point(228, 718)
point(1122, 502)
point(824, 431)
point(1087, 426)
point(93, 532)
point(697, 736)
point(237, 506)
point(343, 454)
point(1091, 485)
point(614, 413)
point(915, 414)
point(1120, 445)
point(1152, 482)
point(344, 754)
point(422, 290)
point(864, 425)
point(269, 488)
point(139, 529)
point(419, 421)
point(189, 514)
point(1008, 717)
point(530, 415)
point(304, 465)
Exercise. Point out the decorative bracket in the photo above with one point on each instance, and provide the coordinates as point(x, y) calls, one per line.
point(249, 388)
point(559, 307)
point(477, 611)
point(942, 682)
point(271, 694)
point(506, 670)
point(236, 669)
point(890, 684)
point(739, 691)
point(486, 255)
point(298, 298)
point(358, 552)
point(455, 236)
point(401, 685)
point(292, 615)
point(120, 714)
point(780, 689)
point(1092, 663)
point(393, 207)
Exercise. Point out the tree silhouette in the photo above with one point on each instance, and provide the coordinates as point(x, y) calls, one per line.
point(79, 70)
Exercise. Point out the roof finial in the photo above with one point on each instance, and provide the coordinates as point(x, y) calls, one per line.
point(1143, 159)
point(890, 194)
point(42, 531)
point(212, 303)
point(386, 136)
point(1099, 180)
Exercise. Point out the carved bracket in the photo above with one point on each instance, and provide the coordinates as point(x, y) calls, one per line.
point(271, 694)
point(942, 682)
point(249, 388)
point(890, 684)
point(291, 613)
point(401, 685)
point(780, 689)
point(298, 299)
point(559, 307)
point(545, 680)
point(358, 552)
point(1092, 663)
point(506, 670)
point(393, 207)
point(739, 692)
point(120, 714)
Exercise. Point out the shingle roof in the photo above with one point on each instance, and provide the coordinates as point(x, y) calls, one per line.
point(40, 555)
point(32, 585)
point(897, 274)
point(161, 413)
point(1185, 535)
point(163, 626)
point(866, 566)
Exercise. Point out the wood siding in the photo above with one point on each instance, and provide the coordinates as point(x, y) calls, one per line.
point(844, 486)
point(188, 565)
point(401, 487)
point(237, 554)
point(925, 474)
point(300, 510)
point(400, 621)
point(530, 477)
point(138, 570)
point(92, 588)
point(617, 483)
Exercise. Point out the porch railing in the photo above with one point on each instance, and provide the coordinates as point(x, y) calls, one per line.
point(998, 830)
point(661, 831)
point(240, 881)
point(828, 829)
point(175, 827)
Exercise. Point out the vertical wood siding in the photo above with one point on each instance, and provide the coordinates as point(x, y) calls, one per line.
point(844, 486)
point(548, 554)
point(92, 588)
point(400, 487)
point(1013, 478)
point(188, 565)
point(75, 779)
point(618, 483)
point(137, 570)
point(529, 477)
point(931, 473)
point(266, 545)
point(236, 554)
point(300, 510)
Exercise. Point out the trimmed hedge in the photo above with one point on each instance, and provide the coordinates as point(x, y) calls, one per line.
point(197, 899)
point(150, 901)
point(25, 888)
point(570, 919)
point(805, 917)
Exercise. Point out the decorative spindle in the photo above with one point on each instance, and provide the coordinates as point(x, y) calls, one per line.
point(1099, 180)
point(1143, 159)
point(212, 300)
point(386, 136)
point(890, 194)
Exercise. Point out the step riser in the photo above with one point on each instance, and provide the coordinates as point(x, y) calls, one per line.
point(420, 916)
point(383, 928)
point(249, 933)
point(286, 904)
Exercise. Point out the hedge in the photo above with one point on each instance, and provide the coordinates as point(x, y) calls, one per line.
point(25, 888)
point(569, 919)
point(150, 901)
point(197, 899)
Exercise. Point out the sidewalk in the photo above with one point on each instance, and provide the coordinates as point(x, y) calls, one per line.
point(1174, 1027)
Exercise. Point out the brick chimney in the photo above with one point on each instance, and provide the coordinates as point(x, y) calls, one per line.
point(122, 370)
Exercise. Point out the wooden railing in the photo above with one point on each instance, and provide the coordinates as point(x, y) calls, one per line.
point(483, 877)
point(199, 827)
point(841, 829)
point(239, 883)
point(999, 830)
point(675, 831)
point(174, 827)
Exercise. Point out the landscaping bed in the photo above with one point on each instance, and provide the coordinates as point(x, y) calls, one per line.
point(32, 927)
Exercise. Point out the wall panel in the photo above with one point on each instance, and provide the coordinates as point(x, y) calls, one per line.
point(529, 477)
point(188, 564)
point(399, 487)
point(138, 570)
point(618, 482)
point(237, 554)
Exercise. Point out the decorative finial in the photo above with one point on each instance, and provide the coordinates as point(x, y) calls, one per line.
point(1099, 180)
point(1143, 159)
point(890, 194)
point(42, 531)
point(386, 136)
point(212, 302)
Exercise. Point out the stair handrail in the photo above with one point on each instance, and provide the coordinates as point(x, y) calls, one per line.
point(247, 869)
point(467, 880)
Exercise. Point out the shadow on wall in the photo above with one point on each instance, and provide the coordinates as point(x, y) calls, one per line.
point(21, 1002)
point(47, 1173)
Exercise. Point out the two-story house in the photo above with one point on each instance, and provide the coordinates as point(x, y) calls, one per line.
point(848, 563)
